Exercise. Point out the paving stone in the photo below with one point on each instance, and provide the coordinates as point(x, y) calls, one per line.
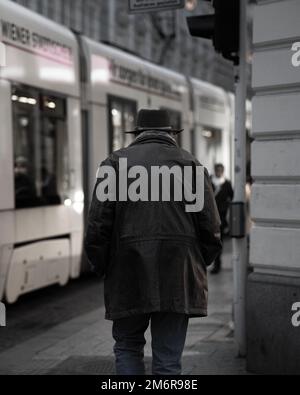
point(81, 343)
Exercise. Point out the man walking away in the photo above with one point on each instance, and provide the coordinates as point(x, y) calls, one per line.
point(224, 195)
point(153, 255)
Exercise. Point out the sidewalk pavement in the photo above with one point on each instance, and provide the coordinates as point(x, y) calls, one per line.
point(83, 345)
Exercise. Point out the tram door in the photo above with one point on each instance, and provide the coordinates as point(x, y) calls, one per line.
point(122, 117)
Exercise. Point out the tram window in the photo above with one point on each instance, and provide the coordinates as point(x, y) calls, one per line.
point(40, 148)
point(176, 122)
point(122, 117)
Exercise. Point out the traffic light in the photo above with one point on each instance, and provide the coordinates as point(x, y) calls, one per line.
point(223, 27)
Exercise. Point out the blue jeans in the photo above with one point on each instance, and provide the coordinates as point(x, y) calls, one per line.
point(168, 331)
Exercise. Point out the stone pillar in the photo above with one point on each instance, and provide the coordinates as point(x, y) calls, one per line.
point(274, 286)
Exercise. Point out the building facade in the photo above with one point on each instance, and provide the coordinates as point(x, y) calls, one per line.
point(274, 287)
point(162, 38)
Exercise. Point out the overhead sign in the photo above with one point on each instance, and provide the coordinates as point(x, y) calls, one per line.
point(144, 6)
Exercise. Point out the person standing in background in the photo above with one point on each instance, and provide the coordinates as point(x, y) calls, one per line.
point(224, 195)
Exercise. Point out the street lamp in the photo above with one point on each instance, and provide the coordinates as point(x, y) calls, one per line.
point(190, 5)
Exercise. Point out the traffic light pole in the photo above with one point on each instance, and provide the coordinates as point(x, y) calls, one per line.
point(240, 244)
point(228, 29)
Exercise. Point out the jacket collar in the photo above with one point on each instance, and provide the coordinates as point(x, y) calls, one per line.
point(154, 136)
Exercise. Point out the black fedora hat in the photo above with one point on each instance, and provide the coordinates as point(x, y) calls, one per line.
point(154, 120)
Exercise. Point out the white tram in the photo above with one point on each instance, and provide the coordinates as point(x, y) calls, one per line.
point(118, 84)
point(41, 204)
point(64, 104)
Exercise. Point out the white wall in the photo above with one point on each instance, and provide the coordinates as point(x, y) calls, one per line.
point(275, 238)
